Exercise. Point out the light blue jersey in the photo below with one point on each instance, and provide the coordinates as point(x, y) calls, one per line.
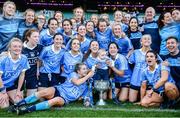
point(11, 69)
point(70, 61)
point(90, 61)
point(121, 63)
point(23, 27)
point(138, 58)
point(45, 38)
point(84, 46)
point(172, 29)
point(71, 92)
point(8, 29)
point(104, 38)
point(124, 44)
point(67, 37)
point(152, 29)
point(152, 77)
point(51, 60)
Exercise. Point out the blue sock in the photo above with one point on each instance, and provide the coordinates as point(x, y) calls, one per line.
point(30, 99)
point(42, 106)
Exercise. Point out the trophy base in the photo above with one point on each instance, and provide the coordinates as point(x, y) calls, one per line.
point(101, 102)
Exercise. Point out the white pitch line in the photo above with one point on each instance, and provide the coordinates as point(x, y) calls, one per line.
point(117, 109)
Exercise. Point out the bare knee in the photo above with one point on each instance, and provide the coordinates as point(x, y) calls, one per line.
point(171, 91)
point(56, 101)
point(123, 98)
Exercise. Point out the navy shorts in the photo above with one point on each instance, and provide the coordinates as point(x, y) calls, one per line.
point(31, 82)
point(15, 86)
point(44, 80)
point(57, 94)
point(135, 87)
point(122, 85)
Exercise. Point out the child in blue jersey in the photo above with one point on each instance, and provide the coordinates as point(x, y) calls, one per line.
point(81, 36)
point(12, 71)
point(71, 58)
point(90, 27)
point(102, 72)
point(32, 51)
point(67, 31)
point(52, 59)
point(59, 95)
point(27, 23)
point(103, 34)
point(153, 80)
point(138, 58)
point(125, 45)
point(46, 36)
point(8, 24)
point(167, 28)
point(150, 26)
point(121, 72)
point(133, 33)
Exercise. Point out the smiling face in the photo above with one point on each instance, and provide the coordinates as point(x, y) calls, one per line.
point(67, 26)
point(172, 45)
point(146, 41)
point(118, 16)
point(149, 13)
point(29, 16)
point(102, 26)
point(53, 25)
point(82, 70)
point(94, 18)
point(117, 30)
point(75, 45)
point(78, 14)
point(9, 9)
point(133, 24)
point(94, 47)
point(90, 26)
point(151, 59)
point(167, 18)
point(113, 50)
point(176, 15)
point(58, 16)
point(15, 47)
point(82, 30)
point(58, 41)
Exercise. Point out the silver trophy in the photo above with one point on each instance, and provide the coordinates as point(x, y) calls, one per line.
point(101, 86)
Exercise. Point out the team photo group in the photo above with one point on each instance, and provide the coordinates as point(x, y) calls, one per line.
point(55, 61)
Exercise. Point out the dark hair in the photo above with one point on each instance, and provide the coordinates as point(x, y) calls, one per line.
point(49, 21)
point(78, 66)
point(28, 33)
point(58, 34)
point(129, 28)
point(172, 37)
point(67, 21)
point(86, 55)
point(114, 44)
point(80, 26)
point(89, 22)
point(161, 17)
point(156, 55)
point(72, 41)
point(101, 20)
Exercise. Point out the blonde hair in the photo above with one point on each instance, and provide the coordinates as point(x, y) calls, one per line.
point(13, 40)
point(7, 3)
point(101, 51)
